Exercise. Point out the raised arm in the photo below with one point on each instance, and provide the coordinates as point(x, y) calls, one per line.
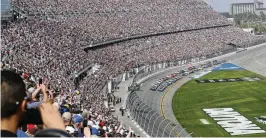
point(45, 96)
point(33, 95)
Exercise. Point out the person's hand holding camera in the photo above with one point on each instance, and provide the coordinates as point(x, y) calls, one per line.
point(51, 117)
point(51, 95)
point(38, 86)
point(35, 93)
point(43, 90)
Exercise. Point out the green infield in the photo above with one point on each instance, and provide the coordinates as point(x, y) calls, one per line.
point(245, 97)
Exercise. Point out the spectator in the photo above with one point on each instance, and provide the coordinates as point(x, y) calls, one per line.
point(77, 121)
point(51, 48)
point(70, 130)
point(39, 128)
point(36, 100)
point(13, 106)
point(67, 118)
point(13, 103)
point(21, 133)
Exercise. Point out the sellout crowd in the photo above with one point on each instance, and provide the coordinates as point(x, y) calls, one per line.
point(50, 49)
point(138, 17)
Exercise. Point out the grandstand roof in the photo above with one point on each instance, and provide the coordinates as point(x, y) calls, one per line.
point(242, 3)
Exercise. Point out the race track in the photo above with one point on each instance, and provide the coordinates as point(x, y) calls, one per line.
point(254, 59)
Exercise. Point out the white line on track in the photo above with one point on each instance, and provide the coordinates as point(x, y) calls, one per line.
point(254, 58)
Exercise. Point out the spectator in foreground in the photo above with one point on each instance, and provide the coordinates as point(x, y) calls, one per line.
point(77, 121)
point(13, 106)
point(21, 133)
point(66, 118)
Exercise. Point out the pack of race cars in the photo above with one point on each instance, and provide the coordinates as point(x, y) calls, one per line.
point(161, 84)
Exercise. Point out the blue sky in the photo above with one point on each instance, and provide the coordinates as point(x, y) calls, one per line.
point(224, 5)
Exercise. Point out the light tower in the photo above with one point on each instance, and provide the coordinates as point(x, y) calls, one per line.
point(258, 4)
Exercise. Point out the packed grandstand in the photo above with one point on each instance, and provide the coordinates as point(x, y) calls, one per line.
point(48, 43)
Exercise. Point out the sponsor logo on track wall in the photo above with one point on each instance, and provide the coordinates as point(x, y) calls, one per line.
point(228, 80)
point(233, 122)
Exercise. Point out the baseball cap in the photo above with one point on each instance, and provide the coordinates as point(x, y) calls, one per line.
point(90, 123)
point(77, 118)
point(66, 116)
point(66, 105)
point(30, 127)
point(70, 130)
point(25, 75)
point(31, 90)
point(84, 113)
point(94, 131)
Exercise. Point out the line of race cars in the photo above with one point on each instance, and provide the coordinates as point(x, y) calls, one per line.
point(161, 84)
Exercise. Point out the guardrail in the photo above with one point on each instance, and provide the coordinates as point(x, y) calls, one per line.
point(151, 121)
point(238, 51)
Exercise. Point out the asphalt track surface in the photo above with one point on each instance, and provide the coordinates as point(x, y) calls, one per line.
point(254, 59)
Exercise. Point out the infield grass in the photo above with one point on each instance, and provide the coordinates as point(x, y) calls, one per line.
point(247, 98)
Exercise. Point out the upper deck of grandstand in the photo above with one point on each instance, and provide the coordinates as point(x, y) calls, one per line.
point(91, 6)
point(114, 20)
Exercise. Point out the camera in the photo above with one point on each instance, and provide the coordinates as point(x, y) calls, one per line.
point(40, 81)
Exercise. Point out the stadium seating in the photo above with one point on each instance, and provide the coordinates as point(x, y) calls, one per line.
point(51, 47)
